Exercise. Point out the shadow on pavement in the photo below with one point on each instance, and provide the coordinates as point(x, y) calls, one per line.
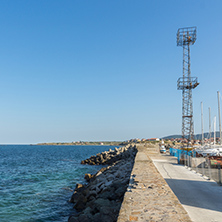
point(201, 194)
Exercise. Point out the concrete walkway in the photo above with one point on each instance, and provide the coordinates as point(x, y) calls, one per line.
point(202, 199)
point(148, 197)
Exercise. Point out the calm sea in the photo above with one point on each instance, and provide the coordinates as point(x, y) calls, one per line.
point(36, 182)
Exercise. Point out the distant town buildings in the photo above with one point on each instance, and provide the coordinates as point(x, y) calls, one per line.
point(153, 139)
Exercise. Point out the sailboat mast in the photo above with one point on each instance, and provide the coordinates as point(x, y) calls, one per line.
point(202, 123)
point(209, 126)
point(218, 96)
point(214, 130)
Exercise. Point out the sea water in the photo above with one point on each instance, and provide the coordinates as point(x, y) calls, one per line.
point(36, 182)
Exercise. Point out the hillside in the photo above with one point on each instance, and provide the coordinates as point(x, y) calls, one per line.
point(197, 136)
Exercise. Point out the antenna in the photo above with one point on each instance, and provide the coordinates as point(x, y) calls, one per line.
point(185, 38)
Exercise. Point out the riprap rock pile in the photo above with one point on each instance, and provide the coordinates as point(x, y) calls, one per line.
point(100, 199)
point(109, 157)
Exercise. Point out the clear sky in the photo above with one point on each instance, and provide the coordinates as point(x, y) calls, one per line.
point(103, 70)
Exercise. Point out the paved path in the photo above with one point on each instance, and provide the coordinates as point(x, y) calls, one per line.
point(148, 197)
point(202, 199)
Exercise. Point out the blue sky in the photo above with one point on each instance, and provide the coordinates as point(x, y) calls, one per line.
point(103, 70)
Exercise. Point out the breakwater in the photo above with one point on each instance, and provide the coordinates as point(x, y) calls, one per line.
point(148, 197)
point(129, 189)
point(101, 197)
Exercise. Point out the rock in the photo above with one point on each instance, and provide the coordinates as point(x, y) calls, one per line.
point(106, 210)
point(107, 218)
point(105, 195)
point(75, 197)
point(102, 202)
point(91, 205)
point(109, 189)
point(91, 198)
point(97, 218)
point(80, 204)
point(118, 174)
point(101, 159)
point(97, 189)
point(102, 187)
point(100, 199)
point(120, 191)
point(91, 193)
point(110, 181)
point(73, 219)
point(88, 176)
point(99, 173)
point(84, 218)
point(104, 155)
point(118, 183)
point(109, 195)
point(85, 192)
point(79, 187)
point(88, 211)
point(109, 213)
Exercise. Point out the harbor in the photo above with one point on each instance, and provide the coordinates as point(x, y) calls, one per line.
point(104, 111)
point(195, 197)
point(200, 196)
point(158, 189)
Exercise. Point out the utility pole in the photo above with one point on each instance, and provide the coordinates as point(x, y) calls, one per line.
point(185, 38)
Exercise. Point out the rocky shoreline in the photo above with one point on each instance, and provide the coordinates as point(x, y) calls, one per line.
point(101, 197)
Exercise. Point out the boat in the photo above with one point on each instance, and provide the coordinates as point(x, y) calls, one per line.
point(211, 151)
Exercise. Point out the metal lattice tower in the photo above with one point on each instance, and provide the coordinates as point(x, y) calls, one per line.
point(185, 38)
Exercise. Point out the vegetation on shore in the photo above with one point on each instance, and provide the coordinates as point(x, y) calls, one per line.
point(95, 143)
point(167, 143)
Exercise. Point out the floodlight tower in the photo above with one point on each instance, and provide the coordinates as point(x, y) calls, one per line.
point(185, 38)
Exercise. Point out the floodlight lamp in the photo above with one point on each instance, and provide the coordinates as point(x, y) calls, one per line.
point(186, 36)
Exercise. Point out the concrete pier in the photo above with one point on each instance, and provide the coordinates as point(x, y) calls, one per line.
point(149, 198)
point(201, 198)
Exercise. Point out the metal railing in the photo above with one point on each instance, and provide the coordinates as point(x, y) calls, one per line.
point(206, 166)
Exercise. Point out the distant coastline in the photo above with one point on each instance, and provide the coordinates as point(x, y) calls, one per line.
point(83, 143)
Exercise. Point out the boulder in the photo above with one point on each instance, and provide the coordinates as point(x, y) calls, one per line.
point(91, 198)
point(80, 204)
point(75, 197)
point(99, 173)
point(107, 218)
point(79, 187)
point(97, 218)
point(88, 211)
point(84, 218)
point(102, 202)
point(120, 191)
point(91, 193)
point(73, 219)
point(88, 176)
point(108, 195)
point(100, 199)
